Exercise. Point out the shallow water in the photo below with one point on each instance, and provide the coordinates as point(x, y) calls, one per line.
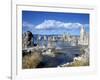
point(63, 56)
point(67, 53)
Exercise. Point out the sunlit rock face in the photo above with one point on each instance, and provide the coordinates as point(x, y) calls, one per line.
point(84, 37)
point(27, 39)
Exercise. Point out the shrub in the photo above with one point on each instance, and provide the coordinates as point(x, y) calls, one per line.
point(31, 61)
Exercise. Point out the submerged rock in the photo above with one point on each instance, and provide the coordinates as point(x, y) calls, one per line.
point(49, 52)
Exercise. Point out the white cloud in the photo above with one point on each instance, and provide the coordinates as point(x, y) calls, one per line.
point(26, 24)
point(53, 24)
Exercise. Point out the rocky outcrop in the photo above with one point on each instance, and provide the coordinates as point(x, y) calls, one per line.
point(27, 39)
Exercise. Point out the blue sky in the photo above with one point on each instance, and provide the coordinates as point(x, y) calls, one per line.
point(54, 23)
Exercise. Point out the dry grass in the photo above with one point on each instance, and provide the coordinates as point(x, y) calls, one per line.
point(78, 63)
point(31, 61)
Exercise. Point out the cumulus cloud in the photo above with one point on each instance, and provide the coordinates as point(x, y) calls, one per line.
point(54, 24)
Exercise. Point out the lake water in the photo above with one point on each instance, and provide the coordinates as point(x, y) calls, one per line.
point(66, 53)
point(61, 44)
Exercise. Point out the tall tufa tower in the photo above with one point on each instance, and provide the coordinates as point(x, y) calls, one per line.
point(82, 34)
point(84, 37)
